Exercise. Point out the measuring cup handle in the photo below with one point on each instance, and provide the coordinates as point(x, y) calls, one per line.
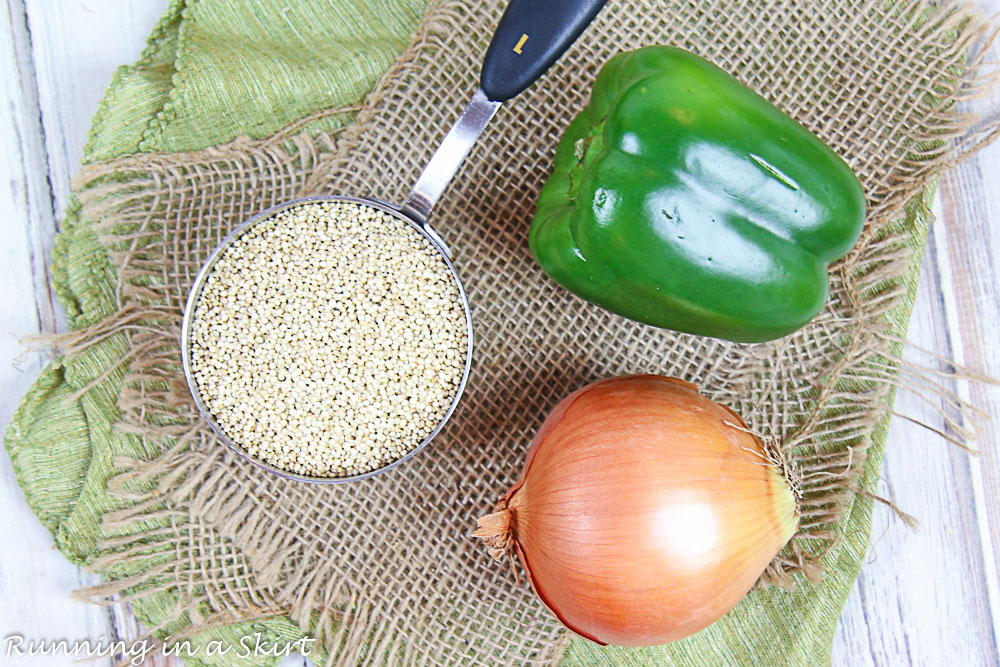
point(531, 36)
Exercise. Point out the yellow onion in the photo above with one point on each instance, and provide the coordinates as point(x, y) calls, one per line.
point(645, 511)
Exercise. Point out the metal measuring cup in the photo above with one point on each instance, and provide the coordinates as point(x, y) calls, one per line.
point(531, 35)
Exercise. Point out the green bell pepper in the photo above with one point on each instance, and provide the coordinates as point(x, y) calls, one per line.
point(681, 198)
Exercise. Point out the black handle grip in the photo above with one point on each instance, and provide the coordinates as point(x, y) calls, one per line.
point(531, 36)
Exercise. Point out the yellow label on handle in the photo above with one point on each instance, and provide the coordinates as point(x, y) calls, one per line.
point(520, 43)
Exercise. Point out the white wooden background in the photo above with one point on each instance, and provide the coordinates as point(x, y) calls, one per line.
point(926, 597)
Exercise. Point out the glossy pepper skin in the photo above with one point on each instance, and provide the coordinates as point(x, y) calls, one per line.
point(681, 198)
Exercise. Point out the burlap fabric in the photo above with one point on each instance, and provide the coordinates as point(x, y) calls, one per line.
point(385, 570)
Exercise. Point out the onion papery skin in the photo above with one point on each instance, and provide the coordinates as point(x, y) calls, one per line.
point(645, 511)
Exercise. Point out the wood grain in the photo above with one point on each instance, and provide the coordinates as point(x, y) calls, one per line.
point(35, 579)
point(971, 211)
point(920, 598)
point(928, 597)
point(51, 83)
point(77, 46)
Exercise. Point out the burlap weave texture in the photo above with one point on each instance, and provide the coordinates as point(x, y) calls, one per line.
point(392, 556)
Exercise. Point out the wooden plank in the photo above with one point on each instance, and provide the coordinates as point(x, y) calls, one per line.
point(35, 579)
point(50, 75)
point(921, 595)
point(971, 285)
point(77, 46)
point(972, 288)
point(931, 597)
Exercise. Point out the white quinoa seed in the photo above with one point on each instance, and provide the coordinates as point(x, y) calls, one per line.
point(329, 340)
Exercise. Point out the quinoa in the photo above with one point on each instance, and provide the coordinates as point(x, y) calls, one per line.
point(329, 340)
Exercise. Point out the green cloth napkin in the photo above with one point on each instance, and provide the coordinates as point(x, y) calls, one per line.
point(212, 70)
